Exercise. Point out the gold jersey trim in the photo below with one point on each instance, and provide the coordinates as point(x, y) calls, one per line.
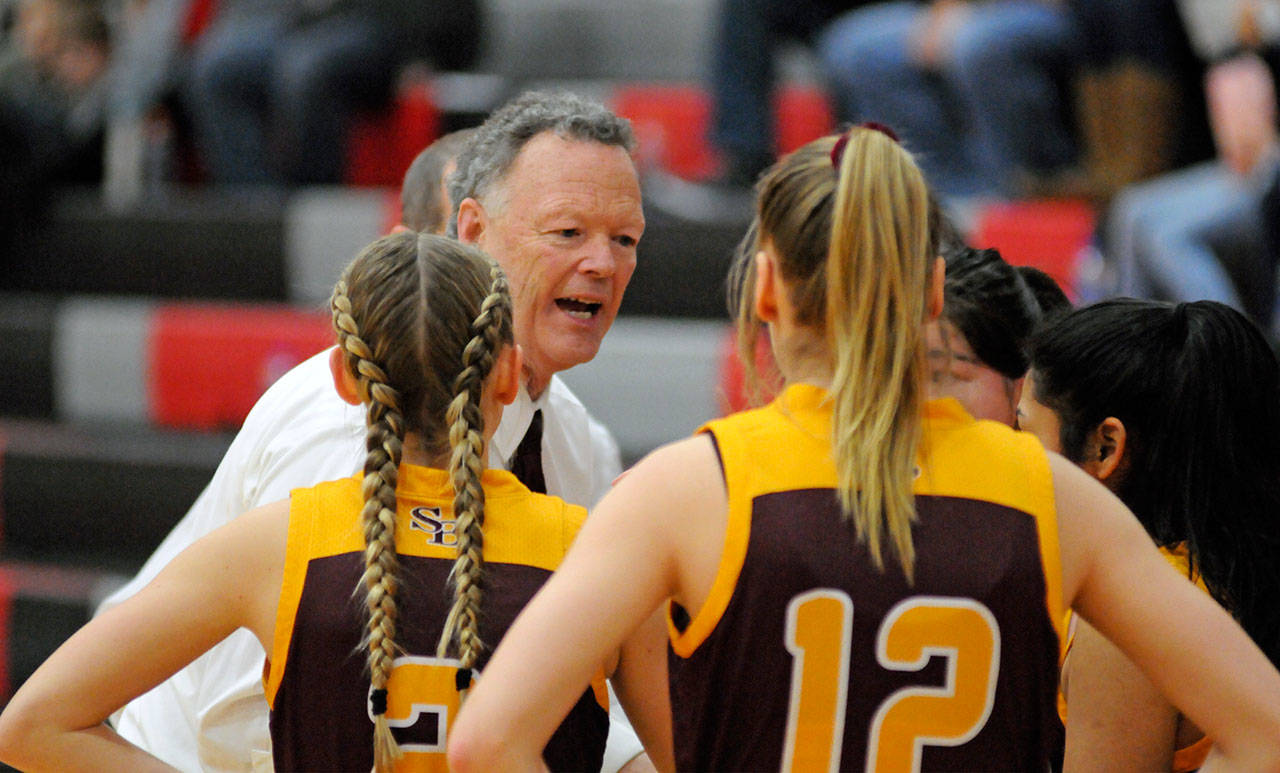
point(958, 457)
point(324, 520)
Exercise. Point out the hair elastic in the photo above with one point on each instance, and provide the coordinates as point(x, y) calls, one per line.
point(378, 701)
point(837, 153)
point(462, 680)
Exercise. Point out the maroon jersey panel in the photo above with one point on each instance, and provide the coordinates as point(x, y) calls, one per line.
point(976, 561)
point(321, 722)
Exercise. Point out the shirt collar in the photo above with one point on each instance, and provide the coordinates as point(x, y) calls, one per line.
point(430, 482)
point(811, 406)
point(516, 419)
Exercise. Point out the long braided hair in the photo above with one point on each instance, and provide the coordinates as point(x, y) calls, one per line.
point(420, 320)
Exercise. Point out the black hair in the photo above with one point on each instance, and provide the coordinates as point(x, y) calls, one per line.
point(993, 306)
point(1047, 292)
point(1198, 391)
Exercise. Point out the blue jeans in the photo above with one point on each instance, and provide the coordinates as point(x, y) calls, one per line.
point(271, 101)
point(989, 113)
point(1194, 234)
point(748, 32)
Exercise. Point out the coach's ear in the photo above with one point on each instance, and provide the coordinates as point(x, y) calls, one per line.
point(507, 373)
point(343, 382)
point(472, 220)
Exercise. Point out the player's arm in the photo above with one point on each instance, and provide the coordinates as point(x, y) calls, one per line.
point(1187, 645)
point(1116, 718)
point(641, 683)
point(622, 566)
point(229, 579)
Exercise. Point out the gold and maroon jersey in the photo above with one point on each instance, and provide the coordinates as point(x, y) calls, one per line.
point(806, 657)
point(1189, 758)
point(316, 680)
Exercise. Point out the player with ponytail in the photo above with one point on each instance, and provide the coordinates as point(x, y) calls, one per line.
point(855, 576)
point(425, 343)
point(1176, 409)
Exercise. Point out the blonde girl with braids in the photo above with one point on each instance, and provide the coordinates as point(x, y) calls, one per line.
point(854, 576)
point(377, 598)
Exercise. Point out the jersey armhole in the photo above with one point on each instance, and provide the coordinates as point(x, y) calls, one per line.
point(687, 632)
point(715, 446)
point(1041, 482)
point(301, 502)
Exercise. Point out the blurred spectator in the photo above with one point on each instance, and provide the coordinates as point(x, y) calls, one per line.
point(153, 42)
point(51, 101)
point(1129, 91)
point(1198, 233)
point(748, 36)
point(274, 83)
point(973, 88)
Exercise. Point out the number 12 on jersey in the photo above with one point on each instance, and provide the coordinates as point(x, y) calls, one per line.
point(818, 634)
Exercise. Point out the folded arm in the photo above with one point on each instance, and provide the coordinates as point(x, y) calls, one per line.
point(229, 579)
point(627, 560)
point(1185, 644)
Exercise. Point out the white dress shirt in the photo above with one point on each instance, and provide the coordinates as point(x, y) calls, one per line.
point(212, 715)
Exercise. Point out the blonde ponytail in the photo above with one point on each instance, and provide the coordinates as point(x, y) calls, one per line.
point(849, 225)
point(877, 277)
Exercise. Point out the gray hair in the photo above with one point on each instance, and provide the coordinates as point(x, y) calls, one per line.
point(493, 149)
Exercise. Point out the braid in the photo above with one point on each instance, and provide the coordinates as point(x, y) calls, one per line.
point(466, 438)
point(410, 312)
point(384, 444)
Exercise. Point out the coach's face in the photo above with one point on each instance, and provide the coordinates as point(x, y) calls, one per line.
point(564, 223)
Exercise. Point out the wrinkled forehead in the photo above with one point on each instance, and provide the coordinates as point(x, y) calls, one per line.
point(552, 171)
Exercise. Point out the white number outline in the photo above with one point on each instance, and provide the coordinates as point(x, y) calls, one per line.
point(947, 691)
point(416, 710)
point(797, 674)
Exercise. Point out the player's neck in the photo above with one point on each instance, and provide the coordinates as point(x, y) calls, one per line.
point(414, 454)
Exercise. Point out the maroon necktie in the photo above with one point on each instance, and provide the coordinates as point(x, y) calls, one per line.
point(527, 462)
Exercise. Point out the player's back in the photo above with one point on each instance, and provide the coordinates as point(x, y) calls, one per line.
point(806, 656)
point(318, 685)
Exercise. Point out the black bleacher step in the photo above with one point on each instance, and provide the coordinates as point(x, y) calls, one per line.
point(26, 355)
point(211, 244)
point(214, 244)
point(40, 606)
point(100, 497)
point(690, 235)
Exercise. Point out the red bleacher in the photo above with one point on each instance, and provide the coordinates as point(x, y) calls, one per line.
point(209, 363)
point(672, 122)
point(801, 114)
point(1048, 234)
point(381, 145)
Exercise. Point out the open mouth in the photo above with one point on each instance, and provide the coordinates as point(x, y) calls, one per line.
point(578, 309)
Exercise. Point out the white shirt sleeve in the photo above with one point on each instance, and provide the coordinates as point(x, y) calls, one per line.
point(212, 715)
point(580, 459)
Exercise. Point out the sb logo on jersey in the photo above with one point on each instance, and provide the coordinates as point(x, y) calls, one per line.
point(439, 529)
